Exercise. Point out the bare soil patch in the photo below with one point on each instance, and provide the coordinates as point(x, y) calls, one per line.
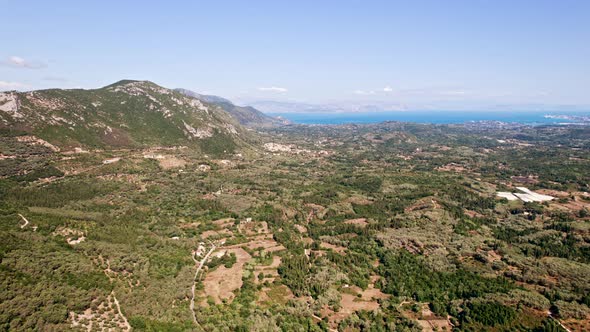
point(576, 325)
point(171, 162)
point(224, 223)
point(253, 228)
point(222, 282)
point(307, 240)
point(554, 193)
point(208, 234)
point(270, 272)
point(525, 179)
point(573, 205)
point(472, 214)
point(452, 167)
point(326, 245)
point(348, 305)
point(267, 244)
point(426, 203)
point(493, 256)
point(359, 222)
point(301, 229)
point(428, 320)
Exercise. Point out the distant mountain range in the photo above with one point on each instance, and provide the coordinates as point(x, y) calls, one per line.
point(271, 106)
point(127, 114)
point(245, 115)
point(367, 106)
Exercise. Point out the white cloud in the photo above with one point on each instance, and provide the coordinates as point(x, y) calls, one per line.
point(363, 92)
point(273, 89)
point(16, 61)
point(387, 89)
point(11, 85)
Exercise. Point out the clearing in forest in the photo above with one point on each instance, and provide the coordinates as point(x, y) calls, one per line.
point(222, 282)
point(359, 222)
point(326, 245)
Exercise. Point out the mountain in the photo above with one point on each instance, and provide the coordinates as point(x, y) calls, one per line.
point(124, 114)
point(245, 115)
point(206, 98)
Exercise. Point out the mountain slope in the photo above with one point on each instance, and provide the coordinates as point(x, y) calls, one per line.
point(206, 98)
point(247, 116)
point(124, 114)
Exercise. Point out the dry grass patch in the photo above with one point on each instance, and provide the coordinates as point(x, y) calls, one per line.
point(301, 229)
point(426, 203)
point(359, 222)
point(270, 272)
point(208, 234)
point(171, 162)
point(221, 283)
point(349, 303)
point(267, 244)
point(224, 223)
point(338, 249)
point(253, 228)
point(275, 294)
point(452, 167)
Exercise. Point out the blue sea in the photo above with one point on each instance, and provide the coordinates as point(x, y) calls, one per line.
point(434, 117)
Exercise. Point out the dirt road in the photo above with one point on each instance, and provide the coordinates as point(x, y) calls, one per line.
point(127, 326)
point(199, 268)
point(25, 220)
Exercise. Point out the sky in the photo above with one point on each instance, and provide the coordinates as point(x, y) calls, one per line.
point(414, 54)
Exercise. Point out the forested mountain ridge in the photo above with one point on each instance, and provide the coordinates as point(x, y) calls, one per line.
point(124, 114)
point(245, 115)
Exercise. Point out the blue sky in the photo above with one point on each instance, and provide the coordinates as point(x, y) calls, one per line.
point(412, 53)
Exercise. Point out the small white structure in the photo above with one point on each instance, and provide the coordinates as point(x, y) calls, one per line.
point(200, 250)
point(507, 195)
point(530, 196)
point(525, 195)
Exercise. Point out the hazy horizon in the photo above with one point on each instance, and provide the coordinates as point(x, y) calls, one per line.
point(460, 55)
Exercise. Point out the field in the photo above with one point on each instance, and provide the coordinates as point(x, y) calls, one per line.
point(220, 283)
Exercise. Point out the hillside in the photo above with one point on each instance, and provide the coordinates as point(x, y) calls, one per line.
point(245, 115)
point(124, 114)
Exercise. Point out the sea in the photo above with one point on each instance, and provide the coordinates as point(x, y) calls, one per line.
point(432, 117)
